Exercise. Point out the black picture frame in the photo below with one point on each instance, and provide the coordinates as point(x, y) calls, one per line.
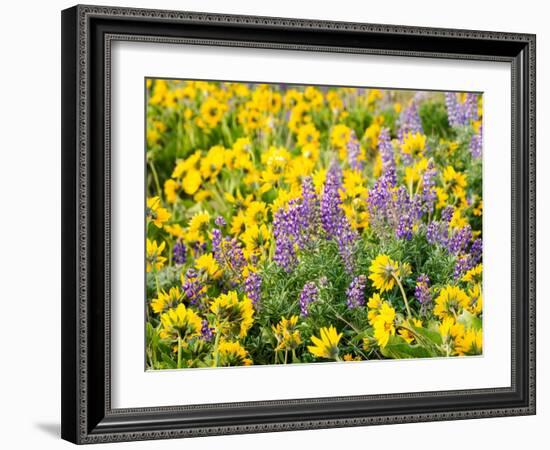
point(87, 33)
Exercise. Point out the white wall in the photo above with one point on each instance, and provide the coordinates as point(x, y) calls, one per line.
point(30, 221)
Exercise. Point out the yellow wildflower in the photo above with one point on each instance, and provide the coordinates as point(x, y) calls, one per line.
point(450, 302)
point(207, 263)
point(327, 345)
point(153, 255)
point(155, 213)
point(180, 322)
point(234, 317)
point(384, 324)
point(166, 300)
point(233, 354)
point(383, 272)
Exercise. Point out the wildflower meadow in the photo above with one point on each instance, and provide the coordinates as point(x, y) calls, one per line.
point(302, 224)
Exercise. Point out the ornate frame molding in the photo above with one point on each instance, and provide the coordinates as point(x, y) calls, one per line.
point(83, 421)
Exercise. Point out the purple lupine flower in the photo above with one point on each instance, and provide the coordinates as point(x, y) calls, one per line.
point(453, 111)
point(459, 240)
point(333, 218)
point(354, 152)
point(409, 120)
point(253, 287)
point(460, 114)
point(428, 187)
point(438, 233)
point(220, 222)
point(463, 263)
point(233, 255)
point(179, 253)
point(346, 238)
point(380, 197)
point(393, 208)
point(385, 148)
point(330, 200)
point(470, 107)
point(308, 295)
point(308, 214)
point(217, 245)
point(422, 289)
point(447, 213)
point(476, 144)
point(355, 293)
point(404, 228)
point(207, 333)
point(228, 252)
point(432, 232)
point(297, 225)
point(192, 287)
point(283, 231)
point(476, 251)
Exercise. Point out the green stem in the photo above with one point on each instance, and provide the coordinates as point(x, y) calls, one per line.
point(179, 352)
point(157, 282)
point(216, 353)
point(156, 178)
point(338, 316)
point(358, 350)
point(403, 294)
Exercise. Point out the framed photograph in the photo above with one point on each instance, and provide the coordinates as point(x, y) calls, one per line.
point(280, 224)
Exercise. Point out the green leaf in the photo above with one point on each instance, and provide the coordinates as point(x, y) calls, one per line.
point(431, 335)
point(398, 348)
point(470, 320)
point(170, 363)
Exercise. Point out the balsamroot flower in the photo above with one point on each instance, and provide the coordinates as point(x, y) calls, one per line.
point(155, 213)
point(166, 300)
point(326, 346)
point(383, 271)
point(180, 323)
point(287, 335)
point(469, 343)
point(450, 302)
point(153, 256)
point(233, 354)
point(384, 324)
point(233, 317)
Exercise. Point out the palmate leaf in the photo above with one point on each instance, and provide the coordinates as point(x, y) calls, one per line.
point(397, 348)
